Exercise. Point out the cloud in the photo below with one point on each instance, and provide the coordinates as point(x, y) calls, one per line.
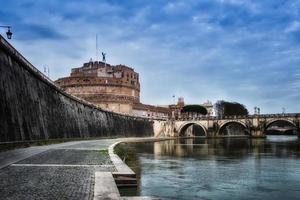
point(176, 7)
point(293, 27)
point(36, 32)
point(245, 51)
point(250, 5)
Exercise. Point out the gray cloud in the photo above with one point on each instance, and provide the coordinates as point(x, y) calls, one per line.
point(243, 51)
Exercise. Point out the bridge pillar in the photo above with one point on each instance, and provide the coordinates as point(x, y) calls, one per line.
point(257, 133)
point(164, 128)
point(297, 122)
point(212, 128)
point(257, 127)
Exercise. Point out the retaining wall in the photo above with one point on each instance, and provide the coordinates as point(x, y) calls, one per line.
point(32, 107)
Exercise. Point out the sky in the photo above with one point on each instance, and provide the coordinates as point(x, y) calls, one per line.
point(247, 51)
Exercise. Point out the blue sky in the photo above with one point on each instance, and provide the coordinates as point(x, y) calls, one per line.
point(236, 50)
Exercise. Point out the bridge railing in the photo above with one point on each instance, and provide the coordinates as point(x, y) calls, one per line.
point(277, 115)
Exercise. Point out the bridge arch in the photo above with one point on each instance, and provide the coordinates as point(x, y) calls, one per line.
point(278, 120)
point(274, 121)
point(242, 124)
point(186, 125)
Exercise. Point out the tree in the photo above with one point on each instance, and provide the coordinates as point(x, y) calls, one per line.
point(195, 109)
point(224, 108)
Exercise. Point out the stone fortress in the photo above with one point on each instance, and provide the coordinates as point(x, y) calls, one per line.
point(116, 88)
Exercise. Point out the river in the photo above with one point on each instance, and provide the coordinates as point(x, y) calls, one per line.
point(232, 168)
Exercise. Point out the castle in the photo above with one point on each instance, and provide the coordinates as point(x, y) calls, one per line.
point(114, 88)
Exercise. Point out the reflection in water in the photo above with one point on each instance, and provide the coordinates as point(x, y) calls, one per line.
point(282, 138)
point(231, 168)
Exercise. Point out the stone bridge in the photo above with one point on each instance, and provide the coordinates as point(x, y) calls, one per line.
point(252, 125)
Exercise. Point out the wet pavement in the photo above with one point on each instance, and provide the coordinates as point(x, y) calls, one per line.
point(58, 171)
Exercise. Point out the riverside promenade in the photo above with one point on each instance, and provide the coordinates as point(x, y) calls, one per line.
point(71, 170)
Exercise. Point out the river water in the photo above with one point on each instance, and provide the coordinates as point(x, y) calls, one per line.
point(232, 168)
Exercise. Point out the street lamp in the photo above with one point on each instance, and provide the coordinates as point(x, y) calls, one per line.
point(283, 110)
point(256, 110)
point(8, 33)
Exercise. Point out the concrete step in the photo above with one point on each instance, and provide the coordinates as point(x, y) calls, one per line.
point(105, 187)
point(123, 181)
point(126, 185)
point(117, 174)
point(139, 198)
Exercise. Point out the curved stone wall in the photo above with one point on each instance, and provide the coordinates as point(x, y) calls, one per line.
point(33, 108)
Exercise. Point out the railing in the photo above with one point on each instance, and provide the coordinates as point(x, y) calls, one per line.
point(278, 115)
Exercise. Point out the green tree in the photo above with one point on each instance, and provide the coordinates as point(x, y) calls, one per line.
point(225, 108)
point(194, 109)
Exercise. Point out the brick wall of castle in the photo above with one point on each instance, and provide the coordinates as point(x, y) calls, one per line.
point(114, 88)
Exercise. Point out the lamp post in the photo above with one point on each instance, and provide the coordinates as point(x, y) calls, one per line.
point(256, 110)
point(8, 33)
point(283, 110)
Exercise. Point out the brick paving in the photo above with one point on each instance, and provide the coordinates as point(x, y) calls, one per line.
point(64, 171)
point(46, 183)
point(69, 157)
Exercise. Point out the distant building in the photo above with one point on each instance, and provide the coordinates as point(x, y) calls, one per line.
point(209, 107)
point(175, 109)
point(115, 88)
point(150, 111)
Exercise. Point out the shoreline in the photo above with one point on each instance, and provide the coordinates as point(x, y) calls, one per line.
point(126, 177)
point(106, 183)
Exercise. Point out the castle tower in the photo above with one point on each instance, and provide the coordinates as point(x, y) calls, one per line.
point(114, 88)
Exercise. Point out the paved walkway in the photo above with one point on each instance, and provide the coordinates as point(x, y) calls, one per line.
point(58, 171)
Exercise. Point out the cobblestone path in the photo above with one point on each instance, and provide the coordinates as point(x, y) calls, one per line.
point(59, 171)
